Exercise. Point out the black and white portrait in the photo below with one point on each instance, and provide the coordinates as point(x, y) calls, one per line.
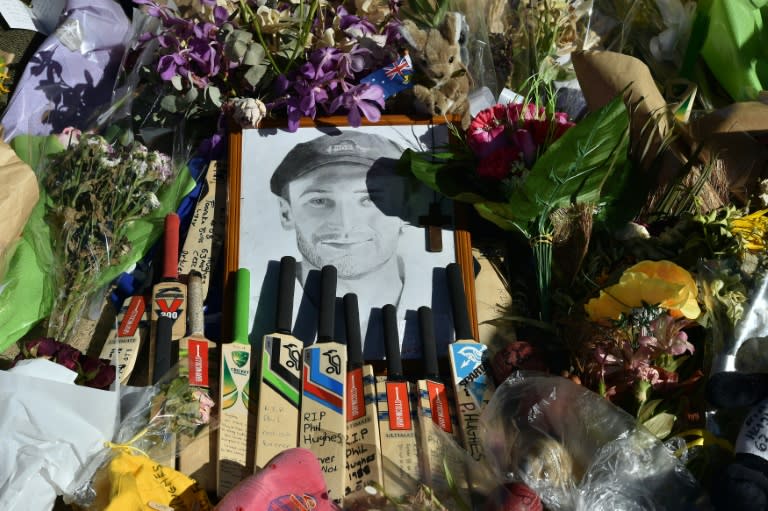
point(332, 196)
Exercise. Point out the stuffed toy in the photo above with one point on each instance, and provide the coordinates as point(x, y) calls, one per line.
point(441, 82)
point(743, 483)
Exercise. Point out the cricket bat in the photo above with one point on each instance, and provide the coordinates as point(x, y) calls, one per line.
point(472, 385)
point(169, 295)
point(439, 452)
point(279, 381)
point(397, 427)
point(237, 417)
point(124, 340)
point(197, 355)
point(363, 442)
point(203, 240)
point(323, 401)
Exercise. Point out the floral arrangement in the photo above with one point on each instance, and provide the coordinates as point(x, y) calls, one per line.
point(521, 164)
point(96, 191)
point(300, 58)
point(91, 371)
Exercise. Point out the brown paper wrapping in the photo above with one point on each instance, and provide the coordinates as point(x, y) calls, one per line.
point(18, 195)
point(725, 137)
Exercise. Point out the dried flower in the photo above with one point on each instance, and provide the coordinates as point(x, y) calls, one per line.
point(91, 371)
point(96, 190)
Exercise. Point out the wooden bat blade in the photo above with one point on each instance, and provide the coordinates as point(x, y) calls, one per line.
point(397, 419)
point(279, 393)
point(237, 417)
point(124, 342)
point(323, 412)
point(363, 460)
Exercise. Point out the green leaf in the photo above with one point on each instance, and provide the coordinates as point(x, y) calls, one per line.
point(214, 94)
point(660, 425)
point(176, 82)
point(646, 410)
point(576, 166)
point(254, 75)
point(168, 103)
point(254, 56)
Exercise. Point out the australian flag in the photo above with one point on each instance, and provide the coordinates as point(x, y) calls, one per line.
point(393, 78)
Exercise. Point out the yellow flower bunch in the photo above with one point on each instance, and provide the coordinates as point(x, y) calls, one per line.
point(661, 283)
point(752, 230)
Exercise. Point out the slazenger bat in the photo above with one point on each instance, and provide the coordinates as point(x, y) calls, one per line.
point(397, 427)
point(279, 381)
point(323, 399)
point(439, 451)
point(197, 355)
point(472, 386)
point(169, 296)
point(237, 413)
point(124, 340)
point(363, 442)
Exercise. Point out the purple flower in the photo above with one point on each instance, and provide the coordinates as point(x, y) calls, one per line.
point(169, 64)
point(364, 99)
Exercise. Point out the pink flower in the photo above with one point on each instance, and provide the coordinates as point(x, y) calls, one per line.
point(498, 164)
point(485, 133)
point(561, 125)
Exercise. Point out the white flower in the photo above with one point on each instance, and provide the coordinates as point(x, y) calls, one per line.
point(671, 42)
point(152, 201)
point(248, 112)
point(764, 192)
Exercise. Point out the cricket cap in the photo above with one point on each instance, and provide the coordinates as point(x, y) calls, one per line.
point(348, 148)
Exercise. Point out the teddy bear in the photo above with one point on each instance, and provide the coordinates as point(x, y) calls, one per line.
point(743, 483)
point(441, 81)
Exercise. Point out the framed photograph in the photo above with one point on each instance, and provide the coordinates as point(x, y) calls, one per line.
point(330, 194)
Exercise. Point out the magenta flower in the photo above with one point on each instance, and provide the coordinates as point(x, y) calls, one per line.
point(485, 132)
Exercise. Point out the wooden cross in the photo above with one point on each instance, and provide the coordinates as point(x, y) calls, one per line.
point(433, 223)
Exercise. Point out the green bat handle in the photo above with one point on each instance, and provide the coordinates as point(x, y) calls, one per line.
point(242, 299)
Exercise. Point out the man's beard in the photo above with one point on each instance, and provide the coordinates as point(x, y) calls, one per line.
point(354, 264)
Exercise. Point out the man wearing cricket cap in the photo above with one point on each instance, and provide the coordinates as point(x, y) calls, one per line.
point(341, 195)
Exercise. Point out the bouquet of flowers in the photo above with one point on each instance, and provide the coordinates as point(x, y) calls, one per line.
point(298, 58)
point(96, 192)
point(525, 168)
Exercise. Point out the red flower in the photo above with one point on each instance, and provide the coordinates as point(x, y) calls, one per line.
point(498, 164)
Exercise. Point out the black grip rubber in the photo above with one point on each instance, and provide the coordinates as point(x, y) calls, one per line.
point(327, 311)
point(458, 302)
point(162, 348)
point(352, 324)
point(285, 288)
point(392, 343)
point(428, 343)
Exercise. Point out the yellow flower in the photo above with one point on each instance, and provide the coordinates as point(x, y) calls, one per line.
point(661, 283)
point(752, 229)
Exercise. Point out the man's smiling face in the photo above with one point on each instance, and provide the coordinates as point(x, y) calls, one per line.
point(340, 216)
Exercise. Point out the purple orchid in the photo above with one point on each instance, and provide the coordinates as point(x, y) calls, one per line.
point(364, 99)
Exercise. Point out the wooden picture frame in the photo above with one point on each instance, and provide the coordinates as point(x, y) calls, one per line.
point(271, 143)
